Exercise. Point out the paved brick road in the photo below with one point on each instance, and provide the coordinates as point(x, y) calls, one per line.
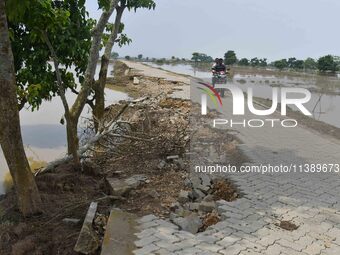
point(311, 201)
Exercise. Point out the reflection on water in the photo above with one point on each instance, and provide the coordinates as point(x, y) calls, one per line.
point(325, 101)
point(43, 135)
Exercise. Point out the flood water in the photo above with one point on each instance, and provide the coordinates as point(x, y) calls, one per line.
point(325, 101)
point(43, 135)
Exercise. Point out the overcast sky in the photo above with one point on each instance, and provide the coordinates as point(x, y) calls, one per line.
point(253, 28)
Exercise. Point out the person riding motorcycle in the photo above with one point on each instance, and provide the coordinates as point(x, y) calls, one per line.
point(218, 66)
point(219, 75)
point(215, 63)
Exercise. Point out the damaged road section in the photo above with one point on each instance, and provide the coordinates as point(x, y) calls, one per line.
point(142, 168)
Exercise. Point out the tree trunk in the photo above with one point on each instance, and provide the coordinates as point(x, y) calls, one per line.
point(71, 123)
point(78, 106)
point(29, 200)
point(72, 114)
point(72, 139)
point(99, 107)
point(98, 111)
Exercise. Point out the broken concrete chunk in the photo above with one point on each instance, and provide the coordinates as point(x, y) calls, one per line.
point(197, 195)
point(209, 198)
point(161, 164)
point(204, 189)
point(187, 183)
point(193, 206)
point(195, 180)
point(206, 180)
point(191, 223)
point(135, 81)
point(207, 206)
point(175, 206)
point(180, 163)
point(119, 235)
point(136, 180)
point(154, 194)
point(119, 187)
point(181, 212)
point(173, 216)
point(184, 196)
point(88, 241)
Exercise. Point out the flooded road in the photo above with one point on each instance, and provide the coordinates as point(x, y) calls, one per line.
point(325, 101)
point(43, 135)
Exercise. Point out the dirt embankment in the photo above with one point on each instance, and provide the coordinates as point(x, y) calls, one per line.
point(154, 142)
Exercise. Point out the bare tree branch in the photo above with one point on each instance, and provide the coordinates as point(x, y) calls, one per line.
point(61, 88)
point(93, 59)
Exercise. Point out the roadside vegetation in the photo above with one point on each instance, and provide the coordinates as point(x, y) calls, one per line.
point(40, 41)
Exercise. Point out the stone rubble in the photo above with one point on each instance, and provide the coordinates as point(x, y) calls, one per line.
point(119, 187)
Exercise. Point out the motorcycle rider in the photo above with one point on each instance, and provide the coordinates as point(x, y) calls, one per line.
point(219, 65)
point(217, 69)
point(215, 63)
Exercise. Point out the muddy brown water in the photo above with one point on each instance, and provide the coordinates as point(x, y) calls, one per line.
point(43, 135)
point(325, 101)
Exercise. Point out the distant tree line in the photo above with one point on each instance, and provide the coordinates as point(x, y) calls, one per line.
point(160, 61)
point(326, 63)
point(201, 57)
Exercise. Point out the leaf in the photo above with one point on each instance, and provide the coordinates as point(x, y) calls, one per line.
point(104, 4)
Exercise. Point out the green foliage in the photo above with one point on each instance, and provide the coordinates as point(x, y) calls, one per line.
point(299, 64)
point(68, 28)
point(114, 55)
point(161, 61)
point(263, 62)
point(136, 4)
point(127, 57)
point(105, 4)
point(337, 60)
point(291, 62)
point(201, 57)
point(254, 62)
point(196, 56)
point(243, 62)
point(230, 58)
point(310, 64)
point(281, 64)
point(140, 56)
point(327, 64)
point(123, 40)
point(16, 9)
point(295, 63)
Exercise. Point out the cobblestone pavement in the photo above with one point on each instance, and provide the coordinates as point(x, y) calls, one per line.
point(249, 224)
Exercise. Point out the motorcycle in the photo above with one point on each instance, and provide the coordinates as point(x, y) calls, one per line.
point(219, 78)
